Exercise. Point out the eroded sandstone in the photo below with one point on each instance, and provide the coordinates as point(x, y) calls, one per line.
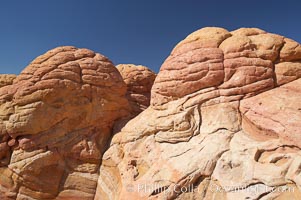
point(224, 122)
point(6, 79)
point(56, 119)
point(139, 80)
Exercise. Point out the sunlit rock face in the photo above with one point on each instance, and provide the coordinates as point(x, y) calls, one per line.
point(221, 120)
point(55, 121)
point(6, 79)
point(139, 80)
point(224, 123)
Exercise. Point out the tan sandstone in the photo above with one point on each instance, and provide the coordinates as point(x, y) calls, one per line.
point(56, 120)
point(139, 80)
point(224, 123)
point(6, 79)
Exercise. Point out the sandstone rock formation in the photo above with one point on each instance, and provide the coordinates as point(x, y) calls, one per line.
point(6, 79)
point(139, 80)
point(224, 123)
point(55, 121)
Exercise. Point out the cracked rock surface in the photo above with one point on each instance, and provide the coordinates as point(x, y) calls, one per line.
point(139, 80)
point(55, 121)
point(222, 121)
point(6, 79)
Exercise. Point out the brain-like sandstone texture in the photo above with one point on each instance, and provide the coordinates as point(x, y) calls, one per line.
point(139, 80)
point(55, 122)
point(6, 79)
point(224, 123)
point(234, 65)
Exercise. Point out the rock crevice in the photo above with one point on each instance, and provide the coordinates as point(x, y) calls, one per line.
point(221, 120)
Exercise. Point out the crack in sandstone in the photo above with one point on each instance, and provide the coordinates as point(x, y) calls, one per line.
point(242, 51)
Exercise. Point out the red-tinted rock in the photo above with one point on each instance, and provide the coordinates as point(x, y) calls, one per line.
point(139, 80)
point(224, 123)
point(55, 122)
point(6, 79)
point(219, 126)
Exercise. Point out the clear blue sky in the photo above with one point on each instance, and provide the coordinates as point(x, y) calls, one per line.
point(129, 31)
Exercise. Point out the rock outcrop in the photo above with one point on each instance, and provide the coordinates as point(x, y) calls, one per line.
point(139, 80)
point(6, 79)
point(224, 123)
point(56, 120)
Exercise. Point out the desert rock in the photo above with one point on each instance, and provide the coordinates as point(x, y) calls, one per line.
point(139, 80)
point(224, 123)
point(6, 79)
point(56, 119)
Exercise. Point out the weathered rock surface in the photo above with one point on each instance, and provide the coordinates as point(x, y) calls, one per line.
point(139, 80)
point(6, 79)
point(55, 121)
point(224, 123)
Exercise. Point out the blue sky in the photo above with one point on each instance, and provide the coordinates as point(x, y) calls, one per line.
point(129, 31)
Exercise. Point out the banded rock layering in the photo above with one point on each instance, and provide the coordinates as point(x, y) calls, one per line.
point(56, 120)
point(6, 79)
point(139, 80)
point(223, 122)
